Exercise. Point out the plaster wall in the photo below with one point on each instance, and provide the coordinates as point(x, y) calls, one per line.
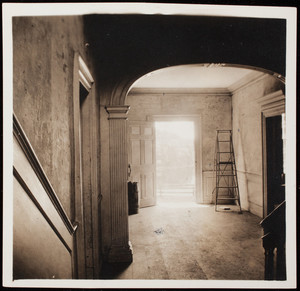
point(44, 50)
point(247, 138)
point(215, 112)
point(43, 56)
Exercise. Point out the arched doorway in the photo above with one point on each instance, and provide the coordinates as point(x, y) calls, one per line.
point(207, 93)
point(236, 105)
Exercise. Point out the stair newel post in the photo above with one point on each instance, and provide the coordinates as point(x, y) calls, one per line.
point(281, 264)
point(268, 245)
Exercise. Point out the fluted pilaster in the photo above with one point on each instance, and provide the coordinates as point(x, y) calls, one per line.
point(120, 250)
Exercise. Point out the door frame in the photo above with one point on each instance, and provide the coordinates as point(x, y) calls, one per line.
point(82, 75)
point(196, 118)
point(272, 105)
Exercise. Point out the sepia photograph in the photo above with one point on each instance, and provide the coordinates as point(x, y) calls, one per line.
point(149, 145)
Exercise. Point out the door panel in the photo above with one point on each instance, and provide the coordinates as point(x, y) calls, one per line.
point(148, 152)
point(136, 152)
point(141, 157)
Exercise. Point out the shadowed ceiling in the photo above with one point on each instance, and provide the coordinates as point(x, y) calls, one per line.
point(127, 47)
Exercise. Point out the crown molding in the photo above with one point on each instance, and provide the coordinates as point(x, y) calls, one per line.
point(232, 89)
point(246, 81)
point(190, 91)
point(272, 104)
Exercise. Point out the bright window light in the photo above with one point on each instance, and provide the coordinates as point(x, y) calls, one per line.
point(184, 129)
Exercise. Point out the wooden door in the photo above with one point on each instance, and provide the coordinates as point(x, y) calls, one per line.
point(142, 162)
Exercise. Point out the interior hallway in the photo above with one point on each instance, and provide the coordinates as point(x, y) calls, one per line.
point(184, 240)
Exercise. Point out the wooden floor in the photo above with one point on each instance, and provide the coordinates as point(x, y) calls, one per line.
point(178, 239)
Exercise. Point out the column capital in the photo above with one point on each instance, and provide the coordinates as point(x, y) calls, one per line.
point(117, 111)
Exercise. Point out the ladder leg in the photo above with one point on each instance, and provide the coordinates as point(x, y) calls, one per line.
point(216, 170)
point(217, 188)
point(236, 178)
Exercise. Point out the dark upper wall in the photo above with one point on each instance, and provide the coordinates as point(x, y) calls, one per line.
point(125, 47)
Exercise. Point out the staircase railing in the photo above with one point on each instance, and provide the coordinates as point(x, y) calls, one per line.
point(274, 238)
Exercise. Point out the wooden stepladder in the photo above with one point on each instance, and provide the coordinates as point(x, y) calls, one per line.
point(227, 188)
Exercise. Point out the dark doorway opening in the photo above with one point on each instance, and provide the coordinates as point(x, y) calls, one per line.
point(275, 162)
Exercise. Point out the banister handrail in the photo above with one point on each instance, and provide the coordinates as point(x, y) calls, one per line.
point(274, 215)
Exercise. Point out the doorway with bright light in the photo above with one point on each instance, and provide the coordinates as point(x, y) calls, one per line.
point(175, 161)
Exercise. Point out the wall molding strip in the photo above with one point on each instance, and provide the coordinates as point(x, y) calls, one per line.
point(249, 173)
point(34, 162)
point(85, 77)
point(39, 207)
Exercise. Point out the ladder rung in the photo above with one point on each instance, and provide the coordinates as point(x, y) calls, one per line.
point(225, 152)
point(226, 187)
point(225, 163)
point(227, 175)
point(223, 140)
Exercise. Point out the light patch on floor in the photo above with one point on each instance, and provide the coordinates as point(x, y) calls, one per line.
point(178, 201)
point(193, 242)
